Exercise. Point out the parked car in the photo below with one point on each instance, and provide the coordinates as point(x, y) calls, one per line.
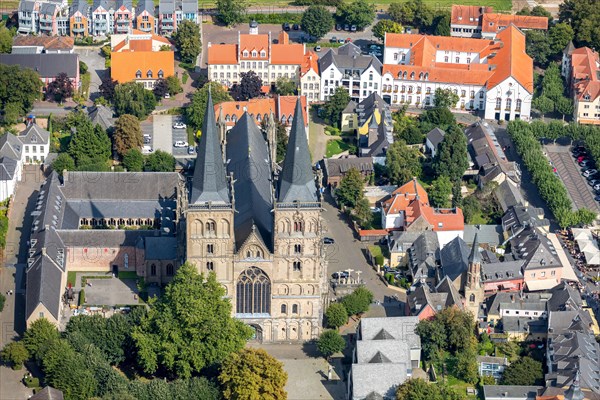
point(346, 27)
point(191, 150)
point(596, 187)
point(341, 41)
point(179, 125)
point(348, 40)
point(594, 176)
point(593, 182)
point(296, 27)
point(337, 275)
point(167, 96)
point(328, 240)
point(353, 28)
point(147, 138)
point(147, 149)
point(286, 27)
point(581, 158)
point(589, 172)
point(597, 198)
point(180, 143)
point(317, 48)
point(586, 163)
point(333, 39)
point(338, 27)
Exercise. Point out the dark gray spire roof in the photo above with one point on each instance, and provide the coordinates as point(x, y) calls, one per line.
point(574, 392)
point(210, 182)
point(475, 256)
point(297, 182)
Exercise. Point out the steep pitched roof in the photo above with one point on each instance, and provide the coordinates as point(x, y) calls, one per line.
point(475, 256)
point(101, 115)
point(454, 258)
point(287, 54)
point(511, 60)
point(124, 65)
point(222, 54)
point(34, 134)
point(436, 136)
point(209, 184)
point(297, 181)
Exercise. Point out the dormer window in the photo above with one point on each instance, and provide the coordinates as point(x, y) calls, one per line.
point(149, 73)
point(426, 76)
point(586, 97)
point(138, 74)
point(161, 74)
point(421, 76)
point(245, 53)
point(253, 53)
point(263, 53)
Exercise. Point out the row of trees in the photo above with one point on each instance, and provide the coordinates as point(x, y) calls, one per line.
point(183, 334)
point(350, 194)
point(417, 14)
point(550, 94)
point(549, 185)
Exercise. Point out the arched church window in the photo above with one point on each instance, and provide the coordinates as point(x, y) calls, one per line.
point(253, 292)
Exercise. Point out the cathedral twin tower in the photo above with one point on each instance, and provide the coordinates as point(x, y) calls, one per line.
point(257, 226)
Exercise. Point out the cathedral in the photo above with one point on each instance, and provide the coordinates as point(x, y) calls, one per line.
point(257, 226)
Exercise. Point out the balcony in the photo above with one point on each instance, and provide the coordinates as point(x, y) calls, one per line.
point(101, 23)
point(167, 19)
point(121, 28)
point(45, 27)
point(167, 27)
point(45, 20)
point(123, 21)
point(145, 29)
point(77, 30)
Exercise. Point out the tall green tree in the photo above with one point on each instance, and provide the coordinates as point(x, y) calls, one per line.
point(440, 191)
point(413, 13)
point(187, 40)
point(525, 371)
point(583, 16)
point(19, 86)
point(231, 12)
point(133, 160)
point(359, 301)
point(336, 315)
point(330, 342)
point(552, 83)
point(418, 389)
point(127, 135)
point(441, 24)
point(543, 104)
point(6, 39)
point(445, 98)
point(332, 110)
point(160, 161)
point(450, 330)
point(15, 353)
point(107, 88)
point(253, 374)
point(362, 213)
point(559, 36)
point(317, 21)
point(403, 163)
point(452, 160)
point(285, 86)
point(195, 111)
point(386, 26)
point(359, 13)
point(351, 188)
point(189, 327)
point(538, 47)
point(63, 162)
point(132, 98)
point(564, 105)
point(89, 144)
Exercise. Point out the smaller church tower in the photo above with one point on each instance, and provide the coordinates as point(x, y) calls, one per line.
point(473, 288)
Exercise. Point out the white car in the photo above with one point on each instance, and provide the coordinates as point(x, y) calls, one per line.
point(180, 143)
point(167, 96)
point(147, 149)
point(589, 172)
point(179, 125)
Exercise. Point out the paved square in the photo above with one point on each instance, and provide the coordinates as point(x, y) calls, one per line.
point(307, 380)
point(110, 292)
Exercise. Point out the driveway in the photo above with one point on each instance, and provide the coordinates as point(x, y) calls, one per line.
point(93, 58)
point(569, 172)
point(348, 252)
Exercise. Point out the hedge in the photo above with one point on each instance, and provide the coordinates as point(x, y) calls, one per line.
point(275, 18)
point(2, 300)
point(81, 297)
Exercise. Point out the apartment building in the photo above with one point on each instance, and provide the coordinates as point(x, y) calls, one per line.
point(102, 18)
point(54, 19)
point(310, 80)
point(124, 16)
point(581, 68)
point(172, 12)
point(144, 16)
point(347, 67)
point(79, 25)
point(491, 76)
point(482, 22)
point(269, 59)
point(47, 17)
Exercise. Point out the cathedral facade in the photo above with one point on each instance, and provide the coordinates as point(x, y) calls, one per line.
point(258, 226)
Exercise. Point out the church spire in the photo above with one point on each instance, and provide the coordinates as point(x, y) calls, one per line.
point(297, 182)
point(209, 184)
point(475, 256)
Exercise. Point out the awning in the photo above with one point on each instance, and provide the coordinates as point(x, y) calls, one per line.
point(545, 284)
point(508, 285)
point(582, 234)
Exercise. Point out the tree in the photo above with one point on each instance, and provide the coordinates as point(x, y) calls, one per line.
point(466, 363)
point(89, 145)
point(440, 191)
point(441, 24)
point(132, 98)
point(173, 85)
point(40, 334)
point(161, 88)
point(6, 39)
point(195, 111)
point(526, 372)
point(438, 117)
point(160, 161)
point(15, 353)
point(552, 83)
point(332, 110)
point(418, 389)
point(253, 374)
point(350, 189)
point(285, 86)
point(362, 213)
point(358, 302)
point(450, 330)
point(60, 88)
point(330, 342)
point(187, 40)
point(63, 162)
point(133, 160)
point(18, 86)
point(358, 13)
point(452, 159)
point(582, 15)
point(12, 112)
point(403, 163)
point(564, 105)
point(336, 315)
point(445, 98)
point(250, 86)
point(107, 88)
point(537, 11)
point(538, 47)
point(543, 104)
point(189, 327)
point(317, 21)
point(128, 134)
point(559, 36)
point(281, 136)
point(386, 26)
point(83, 68)
point(413, 13)
point(231, 12)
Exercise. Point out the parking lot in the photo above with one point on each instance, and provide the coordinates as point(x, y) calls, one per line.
point(164, 136)
point(570, 173)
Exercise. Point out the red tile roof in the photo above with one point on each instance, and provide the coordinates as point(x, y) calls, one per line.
point(585, 71)
point(512, 60)
point(279, 105)
point(468, 15)
point(406, 41)
point(495, 22)
point(254, 42)
point(290, 54)
point(445, 74)
point(48, 42)
point(222, 54)
point(311, 62)
point(124, 65)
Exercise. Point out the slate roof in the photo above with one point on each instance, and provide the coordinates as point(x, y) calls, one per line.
point(535, 248)
point(520, 217)
point(442, 296)
point(380, 378)
point(564, 297)
point(209, 184)
point(454, 258)
point(502, 271)
point(166, 7)
point(397, 327)
point(248, 160)
point(487, 234)
point(108, 237)
point(8, 168)
point(340, 166)
point(189, 6)
point(423, 256)
point(102, 116)
point(436, 136)
point(34, 134)
point(348, 56)
point(47, 65)
point(160, 248)
point(48, 393)
point(494, 392)
point(79, 6)
point(297, 181)
point(10, 146)
point(145, 5)
point(508, 195)
point(125, 3)
point(27, 6)
point(48, 9)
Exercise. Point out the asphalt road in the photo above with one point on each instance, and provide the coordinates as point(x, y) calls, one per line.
point(348, 252)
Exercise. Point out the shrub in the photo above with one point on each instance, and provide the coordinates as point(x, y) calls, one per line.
point(336, 315)
point(379, 260)
point(81, 297)
point(2, 300)
point(31, 382)
point(330, 342)
point(390, 278)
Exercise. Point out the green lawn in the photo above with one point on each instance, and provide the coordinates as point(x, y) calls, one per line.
point(71, 277)
point(336, 147)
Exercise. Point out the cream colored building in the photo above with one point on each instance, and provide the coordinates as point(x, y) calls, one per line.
point(309, 77)
point(581, 68)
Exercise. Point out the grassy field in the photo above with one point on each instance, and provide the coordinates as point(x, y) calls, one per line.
point(336, 147)
point(499, 5)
